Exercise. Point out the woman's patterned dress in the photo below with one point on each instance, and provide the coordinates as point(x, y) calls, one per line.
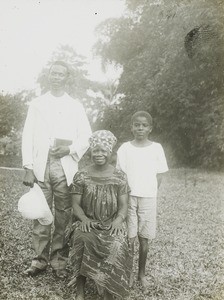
point(105, 258)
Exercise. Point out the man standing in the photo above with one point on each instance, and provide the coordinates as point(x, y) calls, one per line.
point(55, 137)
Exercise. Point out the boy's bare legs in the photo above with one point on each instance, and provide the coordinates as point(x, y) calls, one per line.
point(143, 251)
point(132, 244)
point(81, 280)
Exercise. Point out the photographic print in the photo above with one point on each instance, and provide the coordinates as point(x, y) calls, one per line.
point(112, 149)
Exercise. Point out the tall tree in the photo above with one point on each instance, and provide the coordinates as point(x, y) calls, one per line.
point(172, 58)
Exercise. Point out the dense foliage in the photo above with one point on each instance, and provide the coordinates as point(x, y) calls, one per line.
point(12, 112)
point(12, 117)
point(172, 58)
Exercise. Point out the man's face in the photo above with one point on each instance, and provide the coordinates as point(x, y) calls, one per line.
point(58, 76)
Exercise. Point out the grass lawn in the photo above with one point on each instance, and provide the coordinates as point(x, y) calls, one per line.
point(10, 161)
point(185, 262)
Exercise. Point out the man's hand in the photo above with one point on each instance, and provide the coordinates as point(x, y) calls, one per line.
point(60, 151)
point(29, 178)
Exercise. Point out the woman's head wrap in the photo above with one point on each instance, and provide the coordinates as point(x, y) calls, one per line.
point(103, 138)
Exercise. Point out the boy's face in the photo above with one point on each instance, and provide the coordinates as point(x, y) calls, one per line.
point(141, 128)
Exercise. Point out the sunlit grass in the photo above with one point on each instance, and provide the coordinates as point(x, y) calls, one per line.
point(186, 260)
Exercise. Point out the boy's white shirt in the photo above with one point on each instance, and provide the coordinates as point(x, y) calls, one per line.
point(48, 118)
point(141, 165)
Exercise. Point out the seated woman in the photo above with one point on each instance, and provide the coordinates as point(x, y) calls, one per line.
point(99, 244)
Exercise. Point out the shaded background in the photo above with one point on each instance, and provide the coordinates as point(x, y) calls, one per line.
point(165, 57)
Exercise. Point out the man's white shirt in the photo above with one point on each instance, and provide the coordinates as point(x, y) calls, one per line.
point(52, 117)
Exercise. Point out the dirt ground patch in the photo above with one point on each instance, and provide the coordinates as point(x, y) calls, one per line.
point(185, 262)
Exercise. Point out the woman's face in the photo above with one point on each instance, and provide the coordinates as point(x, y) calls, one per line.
point(100, 155)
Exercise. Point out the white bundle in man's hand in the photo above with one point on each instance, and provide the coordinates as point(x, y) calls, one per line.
point(33, 205)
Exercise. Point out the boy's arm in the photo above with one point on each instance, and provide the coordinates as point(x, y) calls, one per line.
point(159, 178)
point(162, 167)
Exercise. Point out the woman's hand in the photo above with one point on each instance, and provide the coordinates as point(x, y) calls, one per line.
point(116, 226)
point(87, 224)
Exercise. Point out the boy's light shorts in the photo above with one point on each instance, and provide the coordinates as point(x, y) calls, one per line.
point(141, 217)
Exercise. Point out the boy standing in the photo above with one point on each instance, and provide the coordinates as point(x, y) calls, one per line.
point(143, 161)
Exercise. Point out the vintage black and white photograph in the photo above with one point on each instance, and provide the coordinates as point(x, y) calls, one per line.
point(112, 149)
